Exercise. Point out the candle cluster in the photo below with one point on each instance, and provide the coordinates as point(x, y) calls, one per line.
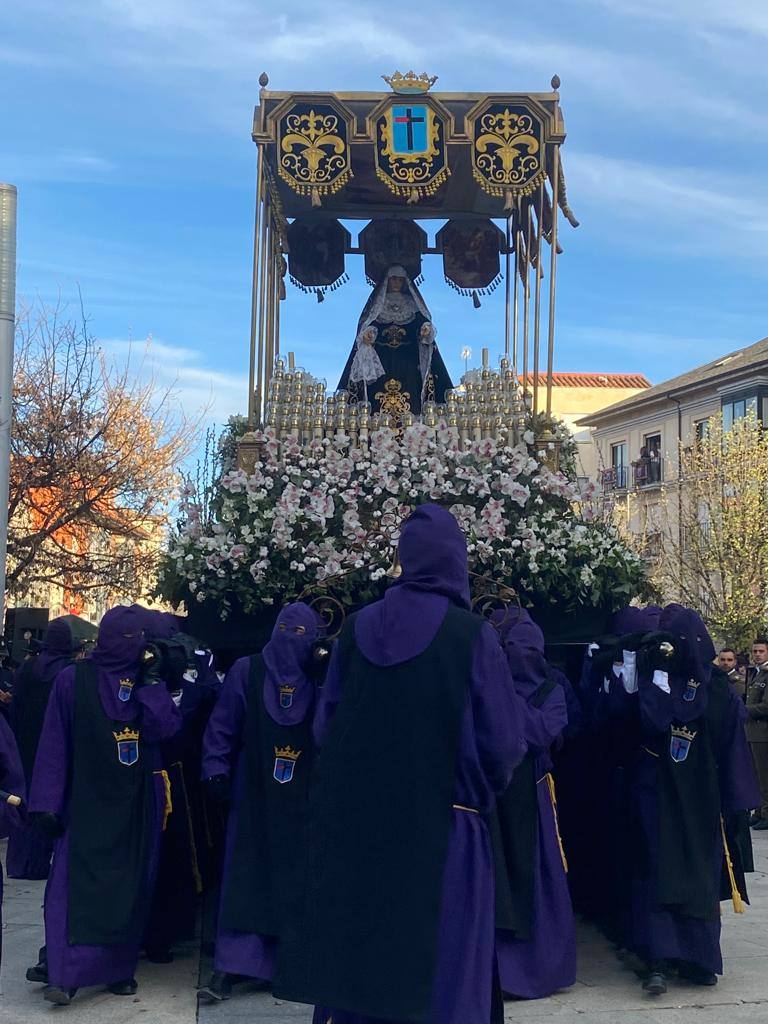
point(487, 403)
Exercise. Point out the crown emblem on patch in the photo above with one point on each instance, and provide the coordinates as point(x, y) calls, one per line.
point(126, 734)
point(410, 83)
point(682, 733)
point(288, 753)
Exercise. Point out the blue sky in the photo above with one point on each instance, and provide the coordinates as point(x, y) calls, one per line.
point(126, 127)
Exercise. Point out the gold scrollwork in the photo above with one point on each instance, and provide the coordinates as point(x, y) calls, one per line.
point(314, 155)
point(394, 401)
point(393, 337)
point(508, 152)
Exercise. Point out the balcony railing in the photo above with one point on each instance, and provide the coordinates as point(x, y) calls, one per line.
point(614, 479)
point(647, 472)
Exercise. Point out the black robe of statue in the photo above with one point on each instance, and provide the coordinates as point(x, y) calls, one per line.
point(399, 389)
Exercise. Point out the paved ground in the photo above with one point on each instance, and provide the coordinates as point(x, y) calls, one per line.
point(605, 993)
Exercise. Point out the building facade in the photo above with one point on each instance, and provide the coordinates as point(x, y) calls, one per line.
point(637, 442)
point(575, 395)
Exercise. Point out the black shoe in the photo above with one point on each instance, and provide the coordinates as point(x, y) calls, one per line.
point(655, 984)
point(696, 975)
point(59, 996)
point(159, 956)
point(761, 825)
point(38, 974)
point(754, 818)
point(217, 989)
point(123, 988)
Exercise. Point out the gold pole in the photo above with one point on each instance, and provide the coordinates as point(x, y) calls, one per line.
point(537, 299)
point(269, 353)
point(262, 297)
point(252, 402)
point(515, 314)
point(553, 274)
point(278, 285)
point(527, 300)
point(508, 284)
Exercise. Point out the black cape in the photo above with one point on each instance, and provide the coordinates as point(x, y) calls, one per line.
point(380, 820)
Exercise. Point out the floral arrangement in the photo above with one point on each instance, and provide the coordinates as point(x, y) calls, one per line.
point(329, 514)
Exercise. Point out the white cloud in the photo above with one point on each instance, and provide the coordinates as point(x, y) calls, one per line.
point(677, 207)
point(196, 387)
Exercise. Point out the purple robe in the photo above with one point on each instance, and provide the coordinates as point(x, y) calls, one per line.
point(491, 745)
point(546, 961)
point(286, 658)
point(653, 931)
point(116, 655)
point(11, 781)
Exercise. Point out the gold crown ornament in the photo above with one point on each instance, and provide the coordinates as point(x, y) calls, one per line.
point(410, 84)
point(126, 734)
point(288, 753)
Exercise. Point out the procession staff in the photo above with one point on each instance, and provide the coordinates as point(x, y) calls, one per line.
point(12, 795)
point(258, 750)
point(536, 932)
point(419, 729)
point(29, 852)
point(98, 788)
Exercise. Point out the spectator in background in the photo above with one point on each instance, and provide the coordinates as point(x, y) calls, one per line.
point(757, 724)
point(728, 662)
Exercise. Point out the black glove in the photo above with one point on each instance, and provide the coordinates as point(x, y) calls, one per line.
point(47, 824)
point(219, 789)
point(151, 664)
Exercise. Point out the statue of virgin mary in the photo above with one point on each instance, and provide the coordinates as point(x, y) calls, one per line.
point(395, 364)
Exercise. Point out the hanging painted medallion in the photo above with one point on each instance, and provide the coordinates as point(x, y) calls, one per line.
point(411, 155)
point(508, 150)
point(389, 242)
point(316, 251)
point(313, 150)
point(471, 259)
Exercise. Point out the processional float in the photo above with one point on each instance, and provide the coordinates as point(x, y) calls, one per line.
point(487, 164)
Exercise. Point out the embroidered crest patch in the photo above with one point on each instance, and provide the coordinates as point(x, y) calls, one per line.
point(286, 696)
point(680, 743)
point(690, 691)
point(285, 763)
point(127, 745)
point(126, 689)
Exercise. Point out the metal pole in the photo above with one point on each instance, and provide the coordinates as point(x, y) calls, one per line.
point(508, 284)
point(515, 316)
point(269, 358)
point(7, 325)
point(537, 299)
point(252, 403)
point(527, 300)
point(261, 397)
point(553, 274)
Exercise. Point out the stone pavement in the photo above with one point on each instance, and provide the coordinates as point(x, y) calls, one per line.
point(605, 993)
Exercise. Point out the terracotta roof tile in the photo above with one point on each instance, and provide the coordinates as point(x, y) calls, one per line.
point(593, 380)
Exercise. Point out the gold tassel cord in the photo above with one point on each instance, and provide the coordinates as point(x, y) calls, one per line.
point(738, 902)
point(168, 801)
point(553, 799)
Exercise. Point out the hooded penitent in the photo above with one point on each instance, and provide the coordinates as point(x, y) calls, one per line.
point(433, 555)
point(420, 727)
point(29, 852)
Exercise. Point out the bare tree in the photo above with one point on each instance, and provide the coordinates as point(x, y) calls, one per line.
point(94, 457)
point(717, 531)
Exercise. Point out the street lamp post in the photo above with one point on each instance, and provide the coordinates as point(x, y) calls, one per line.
point(7, 324)
point(466, 355)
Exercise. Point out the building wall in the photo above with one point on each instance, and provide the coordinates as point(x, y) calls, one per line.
point(571, 403)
